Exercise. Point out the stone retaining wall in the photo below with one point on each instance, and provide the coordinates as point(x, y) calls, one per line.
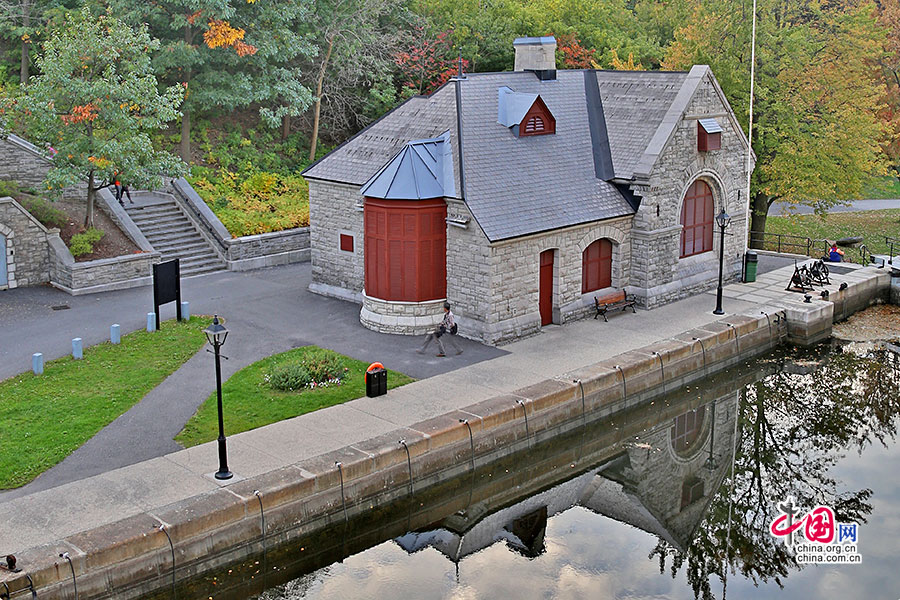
point(102, 275)
point(246, 252)
point(131, 558)
point(405, 318)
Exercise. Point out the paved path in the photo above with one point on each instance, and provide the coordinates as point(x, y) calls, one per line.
point(780, 208)
point(267, 312)
point(53, 514)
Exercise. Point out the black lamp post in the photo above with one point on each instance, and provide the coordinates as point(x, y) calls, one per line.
point(723, 221)
point(215, 335)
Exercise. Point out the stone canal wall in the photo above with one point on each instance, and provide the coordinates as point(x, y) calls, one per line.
point(132, 558)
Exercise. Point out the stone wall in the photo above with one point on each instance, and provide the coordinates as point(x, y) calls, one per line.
point(469, 272)
point(25, 163)
point(658, 273)
point(515, 272)
point(405, 318)
point(102, 275)
point(27, 256)
point(335, 208)
point(246, 252)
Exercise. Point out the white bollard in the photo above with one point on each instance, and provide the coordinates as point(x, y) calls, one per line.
point(115, 334)
point(77, 350)
point(151, 321)
point(37, 363)
point(186, 311)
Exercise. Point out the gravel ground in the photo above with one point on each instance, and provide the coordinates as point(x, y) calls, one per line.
point(880, 322)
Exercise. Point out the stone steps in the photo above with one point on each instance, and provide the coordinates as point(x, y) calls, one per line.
point(173, 235)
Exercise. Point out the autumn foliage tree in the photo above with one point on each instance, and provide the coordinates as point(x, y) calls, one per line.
point(427, 61)
point(96, 101)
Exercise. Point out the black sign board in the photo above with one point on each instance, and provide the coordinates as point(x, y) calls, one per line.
point(166, 286)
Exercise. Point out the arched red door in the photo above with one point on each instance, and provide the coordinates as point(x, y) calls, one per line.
point(545, 291)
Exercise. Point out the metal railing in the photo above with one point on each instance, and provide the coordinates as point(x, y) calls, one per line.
point(781, 242)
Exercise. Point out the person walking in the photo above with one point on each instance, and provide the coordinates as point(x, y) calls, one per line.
point(121, 189)
point(447, 327)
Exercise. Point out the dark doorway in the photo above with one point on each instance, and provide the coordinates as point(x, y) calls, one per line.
point(546, 287)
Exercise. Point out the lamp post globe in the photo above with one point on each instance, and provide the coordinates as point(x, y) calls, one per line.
point(215, 335)
point(723, 221)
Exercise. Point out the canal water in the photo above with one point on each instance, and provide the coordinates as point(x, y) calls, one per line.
point(674, 500)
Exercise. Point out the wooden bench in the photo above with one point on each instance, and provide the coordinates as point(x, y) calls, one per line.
point(612, 301)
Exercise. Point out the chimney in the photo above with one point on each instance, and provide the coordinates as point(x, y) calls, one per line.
point(538, 55)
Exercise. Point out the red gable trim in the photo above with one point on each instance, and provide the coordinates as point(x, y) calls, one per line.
point(538, 120)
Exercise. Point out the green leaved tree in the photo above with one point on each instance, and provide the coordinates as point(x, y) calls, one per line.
point(95, 102)
point(817, 132)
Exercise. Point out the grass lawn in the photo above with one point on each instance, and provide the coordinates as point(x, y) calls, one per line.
point(250, 402)
point(872, 225)
point(883, 187)
point(45, 418)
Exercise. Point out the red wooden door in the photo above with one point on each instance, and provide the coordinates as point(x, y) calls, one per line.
point(545, 291)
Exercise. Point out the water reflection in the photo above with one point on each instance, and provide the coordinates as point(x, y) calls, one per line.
point(694, 492)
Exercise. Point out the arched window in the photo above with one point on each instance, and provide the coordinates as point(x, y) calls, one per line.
point(686, 429)
point(697, 218)
point(596, 266)
point(406, 249)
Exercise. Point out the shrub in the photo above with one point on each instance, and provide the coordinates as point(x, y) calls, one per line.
point(255, 201)
point(83, 243)
point(321, 368)
point(8, 188)
point(43, 211)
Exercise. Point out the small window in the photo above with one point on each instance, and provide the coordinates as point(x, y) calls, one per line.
point(346, 242)
point(691, 491)
point(538, 120)
point(709, 135)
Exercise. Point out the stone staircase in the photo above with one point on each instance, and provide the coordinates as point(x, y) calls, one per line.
point(172, 234)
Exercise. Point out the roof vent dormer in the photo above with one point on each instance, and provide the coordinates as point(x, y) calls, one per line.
point(524, 114)
point(536, 54)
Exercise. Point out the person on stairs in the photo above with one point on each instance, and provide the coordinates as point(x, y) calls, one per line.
point(447, 326)
point(121, 189)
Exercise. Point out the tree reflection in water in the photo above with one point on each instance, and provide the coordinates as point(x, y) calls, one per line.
point(794, 426)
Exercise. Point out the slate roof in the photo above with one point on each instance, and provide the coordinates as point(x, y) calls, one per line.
point(519, 186)
point(635, 104)
point(360, 157)
point(422, 169)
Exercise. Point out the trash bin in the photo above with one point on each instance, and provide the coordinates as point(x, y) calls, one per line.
point(750, 263)
point(376, 380)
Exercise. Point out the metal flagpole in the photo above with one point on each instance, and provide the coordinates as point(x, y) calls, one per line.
point(750, 124)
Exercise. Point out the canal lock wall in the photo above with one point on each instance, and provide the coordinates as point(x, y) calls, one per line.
point(133, 557)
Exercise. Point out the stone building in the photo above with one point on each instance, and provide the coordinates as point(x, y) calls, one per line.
point(24, 249)
point(520, 196)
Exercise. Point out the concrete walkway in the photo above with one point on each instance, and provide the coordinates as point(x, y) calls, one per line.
point(778, 208)
point(248, 301)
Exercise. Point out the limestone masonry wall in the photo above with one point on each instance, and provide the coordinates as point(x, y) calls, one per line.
point(27, 256)
point(333, 211)
point(658, 274)
point(515, 273)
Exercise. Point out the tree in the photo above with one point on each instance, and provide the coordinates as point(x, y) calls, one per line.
point(816, 132)
point(889, 19)
point(427, 61)
point(356, 41)
point(227, 53)
point(23, 21)
point(96, 101)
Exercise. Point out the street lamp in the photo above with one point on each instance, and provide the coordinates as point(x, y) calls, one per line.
point(723, 221)
point(215, 335)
